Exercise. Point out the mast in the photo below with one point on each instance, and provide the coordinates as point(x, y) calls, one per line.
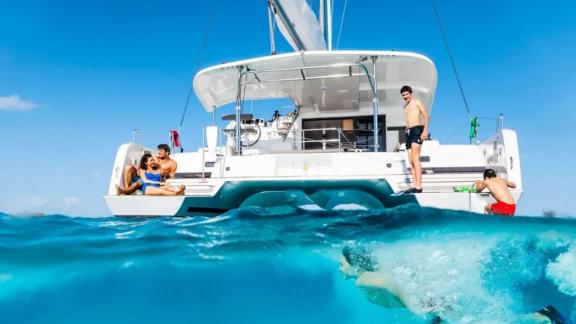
point(321, 18)
point(298, 24)
point(290, 28)
point(271, 29)
point(329, 14)
point(241, 70)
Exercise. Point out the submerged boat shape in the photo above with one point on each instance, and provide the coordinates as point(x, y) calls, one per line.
point(344, 137)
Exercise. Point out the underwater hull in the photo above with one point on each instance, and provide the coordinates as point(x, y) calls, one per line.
point(233, 194)
point(317, 193)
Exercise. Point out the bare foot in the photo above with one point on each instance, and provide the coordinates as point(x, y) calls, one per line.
point(181, 190)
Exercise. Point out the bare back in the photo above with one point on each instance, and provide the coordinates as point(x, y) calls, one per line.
point(499, 189)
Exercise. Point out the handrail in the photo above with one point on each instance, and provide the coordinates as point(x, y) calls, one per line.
point(295, 116)
point(341, 140)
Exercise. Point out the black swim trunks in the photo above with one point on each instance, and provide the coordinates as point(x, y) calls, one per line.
point(413, 136)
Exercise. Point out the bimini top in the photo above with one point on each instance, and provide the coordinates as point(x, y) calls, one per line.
point(323, 80)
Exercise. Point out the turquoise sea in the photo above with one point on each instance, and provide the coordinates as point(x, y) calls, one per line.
point(281, 265)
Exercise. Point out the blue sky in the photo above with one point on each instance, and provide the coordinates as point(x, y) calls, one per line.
point(77, 77)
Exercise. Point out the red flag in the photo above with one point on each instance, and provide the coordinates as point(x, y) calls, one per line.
point(175, 137)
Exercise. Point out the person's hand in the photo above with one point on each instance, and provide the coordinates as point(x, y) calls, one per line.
point(479, 185)
point(424, 136)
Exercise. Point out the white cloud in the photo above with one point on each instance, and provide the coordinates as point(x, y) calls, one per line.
point(69, 201)
point(14, 103)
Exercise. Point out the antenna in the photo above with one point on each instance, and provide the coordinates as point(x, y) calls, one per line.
point(135, 132)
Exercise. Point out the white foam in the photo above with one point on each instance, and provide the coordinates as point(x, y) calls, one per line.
point(119, 223)
point(185, 232)
point(562, 272)
point(444, 275)
point(216, 219)
point(124, 235)
point(351, 206)
point(311, 207)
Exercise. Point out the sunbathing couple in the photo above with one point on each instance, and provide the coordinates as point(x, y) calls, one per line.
point(149, 175)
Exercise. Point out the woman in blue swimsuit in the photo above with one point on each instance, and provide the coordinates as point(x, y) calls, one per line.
point(150, 175)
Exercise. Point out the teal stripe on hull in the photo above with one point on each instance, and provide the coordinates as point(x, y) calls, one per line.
point(234, 193)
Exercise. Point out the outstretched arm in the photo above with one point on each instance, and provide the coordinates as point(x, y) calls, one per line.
point(387, 283)
point(480, 185)
point(142, 175)
point(371, 279)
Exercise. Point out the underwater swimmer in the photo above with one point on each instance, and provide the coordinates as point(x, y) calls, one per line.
point(546, 315)
point(378, 287)
point(382, 289)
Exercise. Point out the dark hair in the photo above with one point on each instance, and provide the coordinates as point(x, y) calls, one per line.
point(406, 88)
point(164, 147)
point(489, 173)
point(359, 258)
point(144, 161)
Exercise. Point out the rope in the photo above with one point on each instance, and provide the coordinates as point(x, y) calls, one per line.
point(198, 60)
point(487, 118)
point(455, 133)
point(450, 57)
point(341, 23)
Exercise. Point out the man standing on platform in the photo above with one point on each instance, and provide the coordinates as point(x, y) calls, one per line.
point(416, 134)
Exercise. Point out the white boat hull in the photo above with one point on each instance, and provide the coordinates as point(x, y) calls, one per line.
point(230, 181)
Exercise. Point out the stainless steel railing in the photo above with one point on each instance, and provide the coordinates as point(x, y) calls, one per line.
point(324, 139)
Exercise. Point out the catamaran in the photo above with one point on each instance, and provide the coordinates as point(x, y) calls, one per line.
point(343, 137)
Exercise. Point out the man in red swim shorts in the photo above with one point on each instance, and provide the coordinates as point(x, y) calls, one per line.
point(498, 187)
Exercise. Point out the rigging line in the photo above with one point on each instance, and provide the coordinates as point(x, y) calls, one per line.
point(455, 133)
point(243, 93)
point(198, 60)
point(487, 118)
point(450, 57)
point(341, 23)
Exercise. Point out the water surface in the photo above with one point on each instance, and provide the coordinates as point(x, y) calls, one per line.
point(280, 265)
